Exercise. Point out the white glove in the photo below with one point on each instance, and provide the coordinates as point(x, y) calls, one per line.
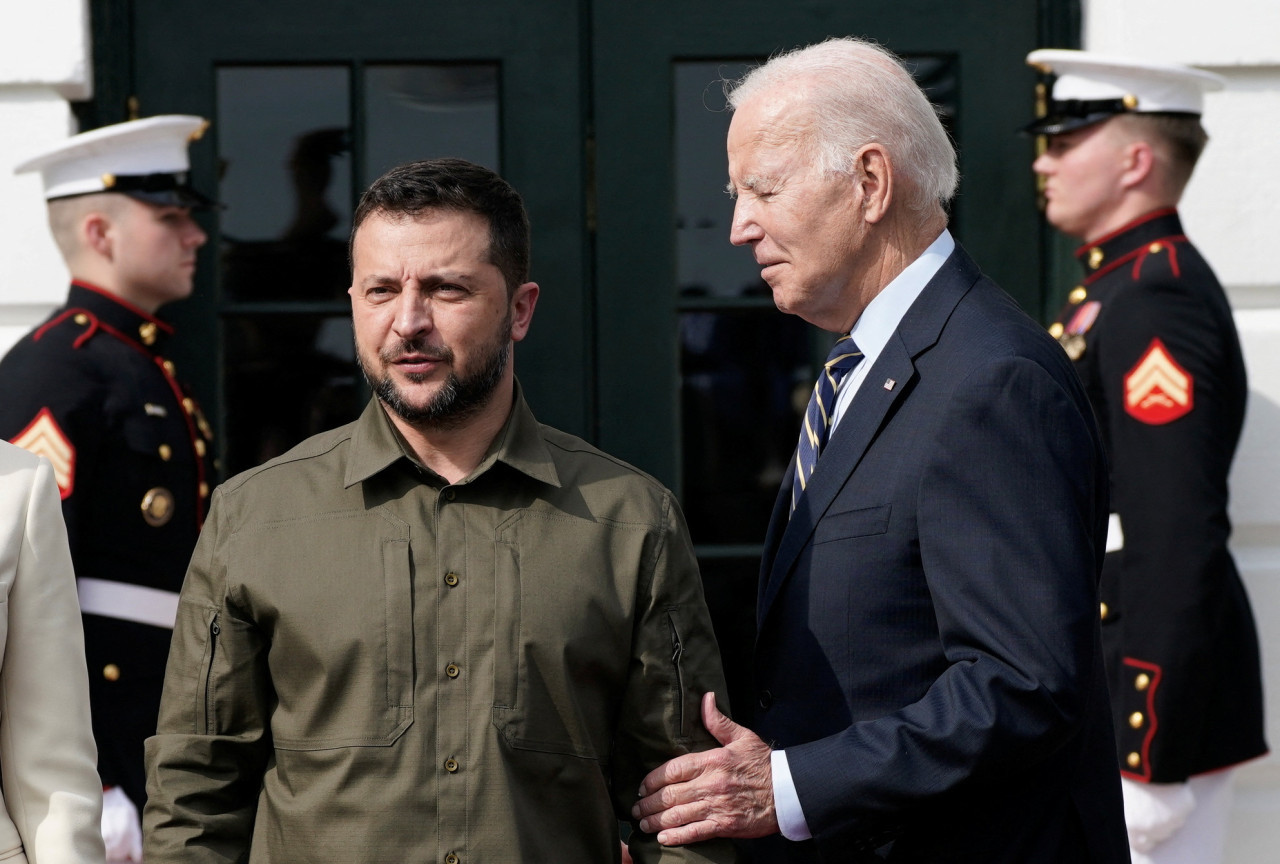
point(1154, 811)
point(121, 828)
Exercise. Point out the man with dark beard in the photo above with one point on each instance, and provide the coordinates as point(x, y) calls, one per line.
point(443, 632)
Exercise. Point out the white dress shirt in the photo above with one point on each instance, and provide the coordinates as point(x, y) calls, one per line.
point(871, 332)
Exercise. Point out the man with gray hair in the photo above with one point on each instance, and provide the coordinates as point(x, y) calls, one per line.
point(928, 665)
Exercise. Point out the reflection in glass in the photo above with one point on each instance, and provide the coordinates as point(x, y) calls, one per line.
point(287, 377)
point(429, 111)
point(705, 261)
point(284, 154)
point(745, 379)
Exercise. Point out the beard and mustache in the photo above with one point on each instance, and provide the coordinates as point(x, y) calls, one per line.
point(462, 395)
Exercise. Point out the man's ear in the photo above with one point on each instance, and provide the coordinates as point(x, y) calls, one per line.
point(1139, 161)
point(96, 233)
point(522, 303)
point(874, 174)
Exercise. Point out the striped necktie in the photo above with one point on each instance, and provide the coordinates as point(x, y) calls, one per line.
point(817, 417)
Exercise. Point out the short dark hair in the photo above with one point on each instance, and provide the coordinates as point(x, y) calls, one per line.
point(1182, 134)
point(455, 184)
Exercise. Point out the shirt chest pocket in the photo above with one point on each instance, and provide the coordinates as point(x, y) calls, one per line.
point(333, 597)
point(565, 592)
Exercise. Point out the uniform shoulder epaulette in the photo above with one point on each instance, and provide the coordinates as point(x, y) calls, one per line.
point(82, 318)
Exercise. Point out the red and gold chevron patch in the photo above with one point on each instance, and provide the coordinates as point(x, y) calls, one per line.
point(44, 437)
point(1157, 390)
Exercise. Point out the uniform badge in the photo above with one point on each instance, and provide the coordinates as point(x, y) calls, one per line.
point(1071, 336)
point(44, 437)
point(157, 506)
point(1157, 390)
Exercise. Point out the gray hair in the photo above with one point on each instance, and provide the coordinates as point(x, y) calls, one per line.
point(861, 93)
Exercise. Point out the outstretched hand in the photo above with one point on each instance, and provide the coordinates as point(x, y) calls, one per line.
point(726, 792)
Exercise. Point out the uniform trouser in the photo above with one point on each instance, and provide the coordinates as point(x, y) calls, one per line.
point(1203, 838)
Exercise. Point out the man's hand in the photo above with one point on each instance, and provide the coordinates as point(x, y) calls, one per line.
point(727, 792)
point(121, 829)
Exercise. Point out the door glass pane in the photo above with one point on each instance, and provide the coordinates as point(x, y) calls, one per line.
point(285, 179)
point(743, 364)
point(425, 111)
point(288, 376)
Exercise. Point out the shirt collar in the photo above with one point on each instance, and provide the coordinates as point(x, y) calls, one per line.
point(885, 312)
point(375, 446)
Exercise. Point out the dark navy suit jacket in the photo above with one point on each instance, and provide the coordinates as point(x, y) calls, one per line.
point(928, 650)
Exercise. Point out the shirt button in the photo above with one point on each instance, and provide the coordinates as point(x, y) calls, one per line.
point(451, 579)
point(450, 494)
point(451, 765)
point(451, 859)
point(452, 670)
point(111, 672)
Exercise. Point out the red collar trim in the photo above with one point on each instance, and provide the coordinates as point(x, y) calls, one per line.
point(1154, 214)
point(120, 301)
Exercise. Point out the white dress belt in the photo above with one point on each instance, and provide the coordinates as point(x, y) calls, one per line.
point(128, 602)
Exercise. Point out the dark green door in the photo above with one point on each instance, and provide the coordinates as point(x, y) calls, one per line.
point(310, 101)
point(654, 337)
point(703, 381)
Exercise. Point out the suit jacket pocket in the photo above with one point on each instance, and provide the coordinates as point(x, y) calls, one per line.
point(848, 524)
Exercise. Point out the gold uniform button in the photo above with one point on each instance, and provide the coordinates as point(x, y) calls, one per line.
point(147, 332)
point(1055, 329)
point(82, 319)
point(188, 404)
point(451, 765)
point(168, 366)
point(157, 506)
point(1134, 760)
point(1103, 610)
point(1136, 719)
point(1154, 248)
point(452, 671)
point(200, 447)
point(451, 579)
point(1142, 682)
point(111, 672)
point(204, 490)
point(1095, 258)
point(166, 452)
point(1077, 295)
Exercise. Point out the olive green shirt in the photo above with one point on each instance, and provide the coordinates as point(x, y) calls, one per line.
point(370, 664)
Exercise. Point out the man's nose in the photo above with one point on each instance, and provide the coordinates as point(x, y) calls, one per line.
point(743, 229)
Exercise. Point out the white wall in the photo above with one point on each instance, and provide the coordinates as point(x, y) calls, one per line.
point(44, 61)
point(1230, 211)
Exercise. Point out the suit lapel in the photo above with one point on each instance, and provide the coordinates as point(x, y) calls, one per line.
point(857, 429)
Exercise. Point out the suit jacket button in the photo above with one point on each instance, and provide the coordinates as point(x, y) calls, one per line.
point(766, 699)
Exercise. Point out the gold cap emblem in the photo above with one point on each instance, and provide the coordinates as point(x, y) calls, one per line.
point(157, 506)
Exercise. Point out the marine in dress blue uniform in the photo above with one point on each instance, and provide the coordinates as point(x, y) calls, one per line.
point(92, 390)
point(1152, 336)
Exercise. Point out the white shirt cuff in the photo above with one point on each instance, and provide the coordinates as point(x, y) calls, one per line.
point(786, 802)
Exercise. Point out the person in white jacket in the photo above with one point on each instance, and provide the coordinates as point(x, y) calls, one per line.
point(52, 797)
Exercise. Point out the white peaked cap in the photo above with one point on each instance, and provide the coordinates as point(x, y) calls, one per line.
point(1137, 86)
point(120, 157)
